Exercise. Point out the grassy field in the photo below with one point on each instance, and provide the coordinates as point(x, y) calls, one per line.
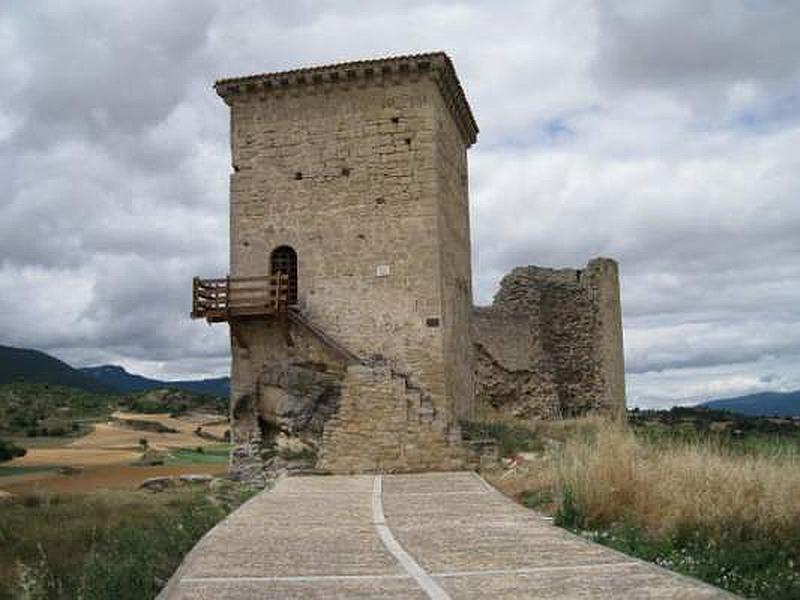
point(76, 526)
point(8, 471)
point(103, 545)
point(723, 508)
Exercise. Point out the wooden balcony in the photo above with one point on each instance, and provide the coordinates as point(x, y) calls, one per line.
point(224, 299)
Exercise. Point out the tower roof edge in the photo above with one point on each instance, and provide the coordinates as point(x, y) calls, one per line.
point(437, 63)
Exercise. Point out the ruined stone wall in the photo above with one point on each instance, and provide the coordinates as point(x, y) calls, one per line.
point(551, 343)
point(604, 277)
point(288, 384)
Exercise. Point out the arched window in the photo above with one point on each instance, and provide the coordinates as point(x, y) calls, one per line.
point(284, 260)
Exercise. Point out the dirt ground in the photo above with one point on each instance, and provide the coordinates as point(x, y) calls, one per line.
point(72, 457)
point(105, 455)
point(114, 436)
point(108, 476)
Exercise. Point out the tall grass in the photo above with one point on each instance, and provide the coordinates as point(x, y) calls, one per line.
point(108, 544)
point(727, 513)
point(615, 476)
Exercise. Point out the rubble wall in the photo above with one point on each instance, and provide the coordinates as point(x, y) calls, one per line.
point(550, 345)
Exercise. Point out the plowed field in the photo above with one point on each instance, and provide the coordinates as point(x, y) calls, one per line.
point(104, 457)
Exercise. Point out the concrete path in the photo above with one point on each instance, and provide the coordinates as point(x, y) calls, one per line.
point(436, 535)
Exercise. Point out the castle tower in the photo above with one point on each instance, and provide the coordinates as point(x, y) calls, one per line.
point(349, 207)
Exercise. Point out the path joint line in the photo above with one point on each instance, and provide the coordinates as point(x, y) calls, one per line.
point(412, 567)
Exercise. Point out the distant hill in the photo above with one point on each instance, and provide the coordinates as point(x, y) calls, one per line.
point(117, 378)
point(31, 366)
point(23, 365)
point(783, 404)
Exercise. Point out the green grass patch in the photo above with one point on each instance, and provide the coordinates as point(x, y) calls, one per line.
point(745, 563)
point(7, 470)
point(103, 545)
point(207, 455)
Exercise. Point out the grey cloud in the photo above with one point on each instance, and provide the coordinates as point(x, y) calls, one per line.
point(697, 42)
point(709, 343)
point(95, 69)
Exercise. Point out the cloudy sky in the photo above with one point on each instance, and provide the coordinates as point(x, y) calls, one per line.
point(665, 134)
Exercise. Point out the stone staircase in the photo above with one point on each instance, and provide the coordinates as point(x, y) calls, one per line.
point(301, 318)
point(385, 422)
point(419, 403)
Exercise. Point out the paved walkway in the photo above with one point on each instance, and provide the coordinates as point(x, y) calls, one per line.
point(436, 535)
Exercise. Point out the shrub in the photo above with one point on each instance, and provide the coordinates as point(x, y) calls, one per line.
point(9, 450)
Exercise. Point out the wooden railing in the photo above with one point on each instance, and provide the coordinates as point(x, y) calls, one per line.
point(218, 300)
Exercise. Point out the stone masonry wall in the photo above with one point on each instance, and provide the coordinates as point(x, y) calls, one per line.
point(289, 384)
point(332, 176)
point(456, 270)
point(385, 425)
point(361, 169)
point(345, 418)
point(551, 343)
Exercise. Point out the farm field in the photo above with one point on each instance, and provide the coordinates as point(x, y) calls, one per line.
point(105, 457)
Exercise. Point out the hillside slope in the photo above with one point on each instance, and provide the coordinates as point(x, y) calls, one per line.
point(784, 404)
point(117, 378)
point(44, 409)
point(33, 366)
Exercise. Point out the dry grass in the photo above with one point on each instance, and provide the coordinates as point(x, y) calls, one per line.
point(113, 435)
point(728, 514)
point(88, 457)
point(613, 476)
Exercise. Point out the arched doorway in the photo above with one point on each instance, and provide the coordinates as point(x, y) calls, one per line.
point(284, 260)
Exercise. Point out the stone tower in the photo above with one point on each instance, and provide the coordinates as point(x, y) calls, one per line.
point(550, 345)
point(350, 184)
